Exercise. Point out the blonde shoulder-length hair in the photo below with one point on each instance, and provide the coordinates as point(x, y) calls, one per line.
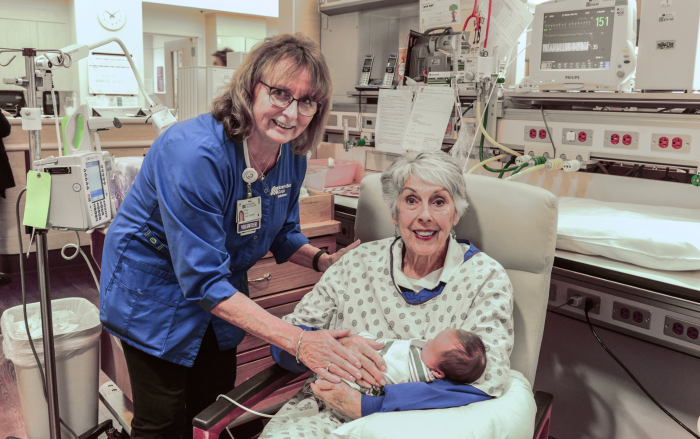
point(282, 58)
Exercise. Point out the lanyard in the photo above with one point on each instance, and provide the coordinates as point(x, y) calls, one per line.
point(249, 174)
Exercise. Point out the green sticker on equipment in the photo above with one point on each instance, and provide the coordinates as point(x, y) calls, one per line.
point(36, 208)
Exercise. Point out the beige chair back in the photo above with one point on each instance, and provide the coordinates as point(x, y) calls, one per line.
point(514, 223)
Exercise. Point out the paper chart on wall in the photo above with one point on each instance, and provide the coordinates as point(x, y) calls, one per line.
point(220, 81)
point(393, 113)
point(111, 74)
point(509, 19)
point(435, 13)
point(429, 119)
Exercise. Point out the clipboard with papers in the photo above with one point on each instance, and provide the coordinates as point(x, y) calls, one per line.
point(413, 120)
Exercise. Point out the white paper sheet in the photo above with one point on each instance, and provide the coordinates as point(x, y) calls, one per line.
point(111, 74)
point(434, 13)
point(429, 119)
point(509, 19)
point(221, 80)
point(393, 112)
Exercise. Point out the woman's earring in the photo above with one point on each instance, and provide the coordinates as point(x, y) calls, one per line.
point(453, 234)
point(396, 232)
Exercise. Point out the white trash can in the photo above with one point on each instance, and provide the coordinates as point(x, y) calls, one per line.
point(77, 330)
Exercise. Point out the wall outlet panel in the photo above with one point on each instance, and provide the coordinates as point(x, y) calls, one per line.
point(669, 142)
point(582, 137)
point(574, 154)
point(632, 315)
point(539, 151)
point(536, 133)
point(621, 139)
point(682, 330)
point(571, 292)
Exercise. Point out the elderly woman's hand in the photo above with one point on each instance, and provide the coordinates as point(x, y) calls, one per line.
point(321, 352)
point(340, 397)
point(326, 261)
point(366, 350)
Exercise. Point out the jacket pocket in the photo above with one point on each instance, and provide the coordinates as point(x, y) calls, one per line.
point(140, 303)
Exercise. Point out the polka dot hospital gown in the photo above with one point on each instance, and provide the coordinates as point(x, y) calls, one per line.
point(357, 293)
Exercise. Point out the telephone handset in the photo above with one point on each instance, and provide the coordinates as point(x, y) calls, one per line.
point(390, 71)
point(366, 70)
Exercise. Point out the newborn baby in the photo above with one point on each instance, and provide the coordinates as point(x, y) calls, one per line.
point(454, 354)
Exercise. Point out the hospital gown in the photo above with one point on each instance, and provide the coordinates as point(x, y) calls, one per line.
point(357, 293)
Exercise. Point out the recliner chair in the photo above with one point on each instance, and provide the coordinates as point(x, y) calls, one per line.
point(516, 224)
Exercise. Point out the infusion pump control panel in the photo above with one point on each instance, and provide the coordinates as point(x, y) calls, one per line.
point(80, 194)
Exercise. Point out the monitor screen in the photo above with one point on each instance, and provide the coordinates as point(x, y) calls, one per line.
point(368, 62)
point(94, 180)
point(577, 39)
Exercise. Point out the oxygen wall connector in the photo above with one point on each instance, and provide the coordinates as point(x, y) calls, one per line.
point(554, 164)
point(161, 118)
point(573, 165)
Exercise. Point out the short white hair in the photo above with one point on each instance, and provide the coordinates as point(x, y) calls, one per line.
point(433, 167)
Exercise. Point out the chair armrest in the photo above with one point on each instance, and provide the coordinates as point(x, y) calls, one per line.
point(214, 419)
point(543, 401)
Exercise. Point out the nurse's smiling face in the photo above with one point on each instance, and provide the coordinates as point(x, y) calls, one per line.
point(275, 125)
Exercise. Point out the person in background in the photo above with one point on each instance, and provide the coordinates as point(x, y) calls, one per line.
point(220, 56)
point(7, 181)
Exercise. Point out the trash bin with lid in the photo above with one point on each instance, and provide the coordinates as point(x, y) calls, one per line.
point(77, 329)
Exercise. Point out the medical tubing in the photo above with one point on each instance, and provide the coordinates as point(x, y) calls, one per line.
point(489, 138)
point(55, 118)
point(481, 147)
point(527, 171)
point(131, 63)
point(488, 24)
point(485, 162)
point(79, 250)
point(586, 309)
point(251, 411)
point(549, 133)
point(510, 162)
point(24, 310)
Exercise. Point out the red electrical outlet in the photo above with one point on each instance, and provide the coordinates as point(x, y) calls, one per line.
point(543, 134)
point(663, 142)
point(624, 313)
point(533, 133)
point(677, 328)
point(582, 136)
point(638, 317)
point(692, 333)
point(615, 139)
point(677, 143)
point(627, 140)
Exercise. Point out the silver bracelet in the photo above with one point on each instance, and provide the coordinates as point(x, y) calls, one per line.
point(296, 355)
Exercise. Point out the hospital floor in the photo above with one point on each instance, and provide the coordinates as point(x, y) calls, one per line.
point(68, 281)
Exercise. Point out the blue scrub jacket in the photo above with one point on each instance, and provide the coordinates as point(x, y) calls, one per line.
point(172, 252)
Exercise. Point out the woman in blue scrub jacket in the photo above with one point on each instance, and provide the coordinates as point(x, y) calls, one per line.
point(176, 256)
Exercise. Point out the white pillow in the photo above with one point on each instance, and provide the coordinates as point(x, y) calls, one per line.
point(662, 238)
point(511, 416)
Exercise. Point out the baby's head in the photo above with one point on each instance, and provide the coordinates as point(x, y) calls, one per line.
point(455, 354)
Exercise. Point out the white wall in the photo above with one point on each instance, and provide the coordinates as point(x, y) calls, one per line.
point(88, 30)
point(273, 27)
point(265, 8)
point(176, 21)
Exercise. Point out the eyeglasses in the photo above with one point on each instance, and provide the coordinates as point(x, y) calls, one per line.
point(283, 99)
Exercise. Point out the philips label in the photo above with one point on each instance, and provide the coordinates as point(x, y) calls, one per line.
point(667, 17)
point(666, 45)
point(572, 77)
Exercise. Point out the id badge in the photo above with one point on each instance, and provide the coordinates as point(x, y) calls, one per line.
point(248, 215)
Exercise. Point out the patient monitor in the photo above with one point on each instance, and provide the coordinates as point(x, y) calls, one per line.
point(583, 45)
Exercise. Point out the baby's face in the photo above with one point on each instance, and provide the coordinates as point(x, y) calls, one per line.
point(431, 354)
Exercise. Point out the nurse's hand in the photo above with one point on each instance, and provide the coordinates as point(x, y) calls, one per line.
point(320, 348)
point(326, 261)
point(340, 397)
point(372, 364)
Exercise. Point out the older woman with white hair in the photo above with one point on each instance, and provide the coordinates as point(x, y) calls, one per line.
point(415, 285)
